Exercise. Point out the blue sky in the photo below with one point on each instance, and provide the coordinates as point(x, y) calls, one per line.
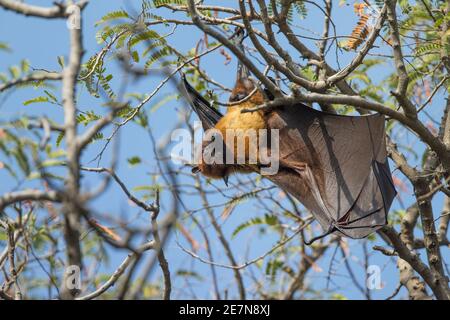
point(41, 41)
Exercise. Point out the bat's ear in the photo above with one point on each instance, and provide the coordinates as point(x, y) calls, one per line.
point(267, 92)
point(195, 169)
point(239, 35)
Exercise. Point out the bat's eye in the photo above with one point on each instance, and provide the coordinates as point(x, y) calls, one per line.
point(238, 96)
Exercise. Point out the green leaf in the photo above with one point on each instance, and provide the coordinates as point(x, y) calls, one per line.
point(51, 163)
point(135, 56)
point(51, 96)
point(36, 100)
point(14, 71)
point(105, 85)
point(25, 65)
point(120, 14)
point(3, 77)
point(4, 47)
point(22, 159)
point(405, 6)
point(133, 161)
point(162, 102)
point(57, 153)
point(338, 296)
point(10, 170)
point(144, 36)
point(141, 119)
point(143, 188)
point(97, 136)
point(268, 219)
point(59, 139)
point(273, 266)
point(157, 55)
point(158, 3)
point(301, 9)
point(191, 274)
point(61, 61)
point(429, 48)
point(87, 117)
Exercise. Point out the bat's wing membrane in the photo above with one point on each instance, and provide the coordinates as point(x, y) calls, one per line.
point(208, 115)
point(347, 183)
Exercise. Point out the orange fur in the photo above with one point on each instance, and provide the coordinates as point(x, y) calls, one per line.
point(234, 119)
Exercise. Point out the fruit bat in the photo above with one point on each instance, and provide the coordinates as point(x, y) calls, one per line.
point(335, 165)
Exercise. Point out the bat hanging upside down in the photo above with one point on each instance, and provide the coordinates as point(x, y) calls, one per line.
point(334, 165)
point(239, 127)
point(233, 121)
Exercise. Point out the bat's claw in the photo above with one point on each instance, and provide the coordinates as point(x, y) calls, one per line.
point(195, 169)
point(225, 179)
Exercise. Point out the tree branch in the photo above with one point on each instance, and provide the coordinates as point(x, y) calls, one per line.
point(31, 78)
point(403, 79)
point(281, 19)
point(421, 187)
point(160, 253)
point(28, 195)
point(289, 70)
point(415, 287)
point(196, 18)
point(57, 11)
point(119, 271)
point(356, 62)
point(413, 260)
point(72, 216)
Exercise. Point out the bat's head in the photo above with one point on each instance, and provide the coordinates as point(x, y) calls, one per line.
point(246, 90)
point(211, 170)
point(214, 171)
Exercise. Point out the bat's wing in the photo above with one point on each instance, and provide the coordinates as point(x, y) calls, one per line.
point(208, 115)
point(347, 183)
